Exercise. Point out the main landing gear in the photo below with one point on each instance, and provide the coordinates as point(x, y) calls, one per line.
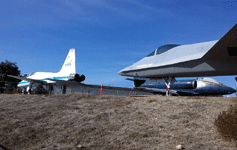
point(28, 89)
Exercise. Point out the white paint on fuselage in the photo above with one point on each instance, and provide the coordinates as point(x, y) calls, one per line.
point(69, 67)
point(43, 76)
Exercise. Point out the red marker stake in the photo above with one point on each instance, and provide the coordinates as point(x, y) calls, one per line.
point(101, 89)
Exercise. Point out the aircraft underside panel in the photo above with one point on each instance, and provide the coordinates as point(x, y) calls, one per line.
point(197, 68)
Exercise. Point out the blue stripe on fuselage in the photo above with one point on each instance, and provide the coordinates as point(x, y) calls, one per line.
point(58, 78)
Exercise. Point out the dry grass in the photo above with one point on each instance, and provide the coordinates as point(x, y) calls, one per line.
point(82, 121)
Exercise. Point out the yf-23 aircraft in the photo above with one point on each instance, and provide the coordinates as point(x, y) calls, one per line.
point(67, 75)
point(199, 87)
point(214, 58)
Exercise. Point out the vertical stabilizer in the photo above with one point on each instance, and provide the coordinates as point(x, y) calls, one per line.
point(226, 47)
point(69, 65)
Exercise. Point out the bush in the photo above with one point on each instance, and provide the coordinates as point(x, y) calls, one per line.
point(226, 124)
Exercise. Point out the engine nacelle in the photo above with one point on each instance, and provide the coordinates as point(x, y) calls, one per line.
point(185, 84)
point(76, 77)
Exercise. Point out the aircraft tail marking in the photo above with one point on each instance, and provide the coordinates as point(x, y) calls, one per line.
point(69, 65)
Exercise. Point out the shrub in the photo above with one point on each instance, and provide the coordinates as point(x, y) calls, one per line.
point(226, 124)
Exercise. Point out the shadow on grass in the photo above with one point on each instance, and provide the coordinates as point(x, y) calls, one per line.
point(4, 148)
point(226, 124)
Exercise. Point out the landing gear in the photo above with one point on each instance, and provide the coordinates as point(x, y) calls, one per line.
point(23, 91)
point(28, 89)
point(168, 82)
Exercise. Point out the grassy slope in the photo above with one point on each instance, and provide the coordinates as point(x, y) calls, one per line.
point(110, 122)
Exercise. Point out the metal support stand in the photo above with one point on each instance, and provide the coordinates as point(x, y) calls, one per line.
point(168, 82)
point(23, 91)
point(28, 89)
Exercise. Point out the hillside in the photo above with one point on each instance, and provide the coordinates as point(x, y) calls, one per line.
point(82, 121)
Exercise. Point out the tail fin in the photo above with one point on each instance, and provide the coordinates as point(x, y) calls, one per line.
point(225, 47)
point(69, 65)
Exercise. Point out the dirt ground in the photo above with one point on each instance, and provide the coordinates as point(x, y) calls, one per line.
point(94, 122)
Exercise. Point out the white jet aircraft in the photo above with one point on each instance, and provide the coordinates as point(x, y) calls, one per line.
point(63, 77)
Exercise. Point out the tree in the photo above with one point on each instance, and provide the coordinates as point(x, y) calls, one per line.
point(8, 68)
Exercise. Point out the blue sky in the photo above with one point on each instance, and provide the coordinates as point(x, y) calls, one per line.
point(108, 35)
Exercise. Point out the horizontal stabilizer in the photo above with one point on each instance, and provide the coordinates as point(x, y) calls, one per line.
point(225, 47)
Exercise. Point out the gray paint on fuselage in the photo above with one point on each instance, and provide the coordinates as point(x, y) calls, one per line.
point(188, 87)
point(192, 68)
point(214, 58)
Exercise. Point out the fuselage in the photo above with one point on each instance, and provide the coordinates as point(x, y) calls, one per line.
point(213, 58)
point(43, 76)
point(204, 86)
point(162, 60)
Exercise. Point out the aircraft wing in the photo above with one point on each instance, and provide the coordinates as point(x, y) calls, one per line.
point(160, 91)
point(28, 79)
point(186, 92)
point(63, 82)
point(16, 77)
point(134, 79)
point(173, 92)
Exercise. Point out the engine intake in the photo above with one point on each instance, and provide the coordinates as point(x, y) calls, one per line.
point(194, 84)
point(77, 77)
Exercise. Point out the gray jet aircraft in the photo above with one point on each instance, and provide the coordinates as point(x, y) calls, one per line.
point(197, 87)
point(214, 58)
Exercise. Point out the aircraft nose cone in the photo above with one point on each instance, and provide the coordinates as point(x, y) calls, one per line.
point(232, 90)
point(120, 73)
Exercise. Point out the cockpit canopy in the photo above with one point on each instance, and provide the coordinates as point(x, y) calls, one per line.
point(162, 49)
point(210, 80)
point(31, 74)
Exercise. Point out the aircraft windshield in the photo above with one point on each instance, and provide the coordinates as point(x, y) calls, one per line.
point(162, 49)
point(151, 54)
point(165, 48)
point(31, 74)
